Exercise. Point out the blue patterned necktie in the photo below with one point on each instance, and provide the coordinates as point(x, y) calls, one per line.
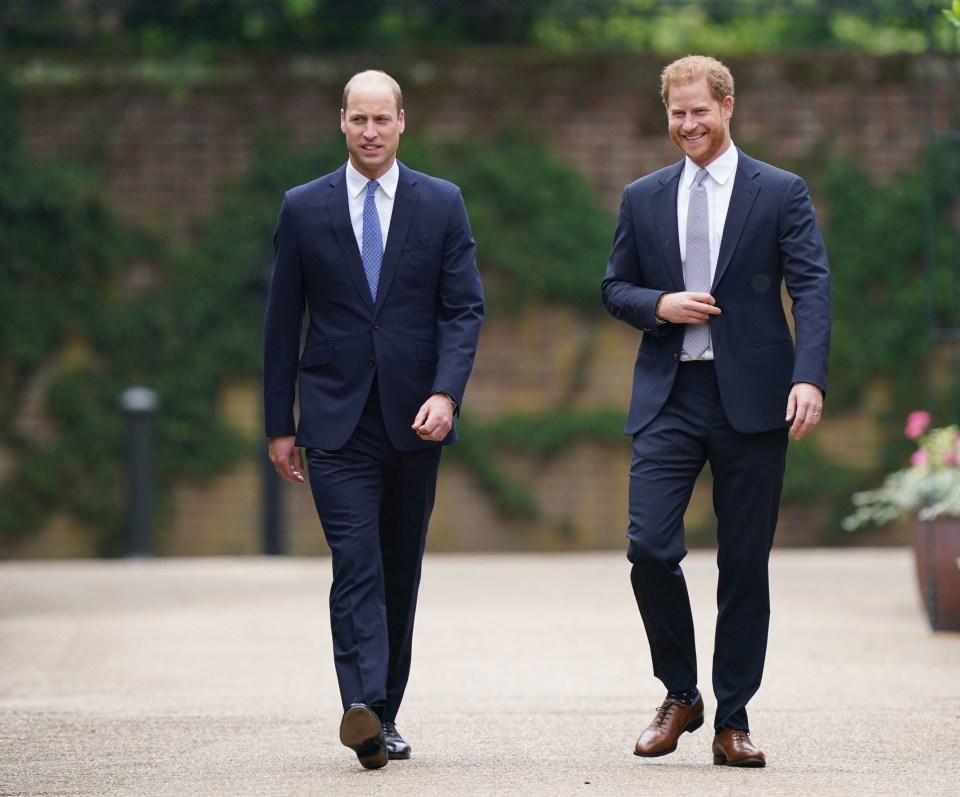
point(372, 250)
point(696, 266)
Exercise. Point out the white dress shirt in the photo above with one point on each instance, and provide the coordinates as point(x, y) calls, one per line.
point(719, 188)
point(384, 196)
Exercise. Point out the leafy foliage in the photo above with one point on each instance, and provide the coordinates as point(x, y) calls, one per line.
point(542, 234)
point(76, 329)
point(894, 254)
point(929, 487)
point(717, 26)
point(537, 434)
point(91, 308)
point(733, 27)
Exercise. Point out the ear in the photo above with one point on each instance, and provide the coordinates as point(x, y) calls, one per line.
point(400, 120)
point(727, 106)
point(343, 121)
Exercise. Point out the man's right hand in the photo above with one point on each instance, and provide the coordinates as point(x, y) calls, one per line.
point(688, 307)
point(286, 458)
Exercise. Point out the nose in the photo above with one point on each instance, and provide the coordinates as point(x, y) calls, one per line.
point(369, 130)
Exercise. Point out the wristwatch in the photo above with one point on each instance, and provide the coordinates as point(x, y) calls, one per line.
point(448, 397)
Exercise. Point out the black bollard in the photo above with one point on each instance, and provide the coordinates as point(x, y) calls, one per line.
point(139, 404)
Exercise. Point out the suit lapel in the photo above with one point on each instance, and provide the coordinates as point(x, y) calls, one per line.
point(404, 206)
point(745, 192)
point(339, 210)
point(664, 204)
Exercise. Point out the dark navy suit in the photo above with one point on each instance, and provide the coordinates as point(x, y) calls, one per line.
point(729, 413)
point(364, 371)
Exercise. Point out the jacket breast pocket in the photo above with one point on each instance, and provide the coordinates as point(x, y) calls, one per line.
point(422, 243)
point(766, 344)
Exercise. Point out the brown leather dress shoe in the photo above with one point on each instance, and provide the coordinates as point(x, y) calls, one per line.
point(673, 718)
point(360, 730)
point(734, 748)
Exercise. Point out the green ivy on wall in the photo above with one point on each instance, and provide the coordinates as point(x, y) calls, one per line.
point(90, 307)
point(539, 434)
point(60, 255)
point(877, 237)
point(542, 235)
point(100, 308)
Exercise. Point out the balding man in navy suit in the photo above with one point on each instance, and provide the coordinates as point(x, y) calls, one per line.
point(700, 253)
point(383, 260)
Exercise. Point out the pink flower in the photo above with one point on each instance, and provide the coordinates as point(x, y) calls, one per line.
point(919, 458)
point(950, 458)
point(917, 423)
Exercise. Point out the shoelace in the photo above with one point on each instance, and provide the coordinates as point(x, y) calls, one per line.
point(664, 710)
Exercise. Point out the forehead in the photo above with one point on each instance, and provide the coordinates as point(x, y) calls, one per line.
point(371, 97)
point(690, 94)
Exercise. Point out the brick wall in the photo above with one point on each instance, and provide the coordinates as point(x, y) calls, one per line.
point(167, 154)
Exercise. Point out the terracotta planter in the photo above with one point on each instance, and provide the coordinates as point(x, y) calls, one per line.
point(936, 544)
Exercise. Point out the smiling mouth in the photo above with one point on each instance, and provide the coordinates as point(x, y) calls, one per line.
point(690, 139)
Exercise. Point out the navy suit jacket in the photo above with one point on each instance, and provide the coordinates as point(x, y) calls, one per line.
point(770, 238)
point(419, 337)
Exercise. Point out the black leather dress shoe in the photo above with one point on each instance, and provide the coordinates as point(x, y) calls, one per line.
point(397, 748)
point(360, 731)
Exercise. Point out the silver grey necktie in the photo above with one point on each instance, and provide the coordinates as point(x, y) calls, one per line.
point(696, 267)
point(372, 238)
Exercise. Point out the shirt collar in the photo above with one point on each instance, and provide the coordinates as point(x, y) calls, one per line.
point(388, 181)
point(720, 170)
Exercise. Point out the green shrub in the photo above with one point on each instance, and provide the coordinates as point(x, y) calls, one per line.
point(78, 326)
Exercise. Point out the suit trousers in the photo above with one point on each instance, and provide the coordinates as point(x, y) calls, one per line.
point(668, 455)
point(374, 503)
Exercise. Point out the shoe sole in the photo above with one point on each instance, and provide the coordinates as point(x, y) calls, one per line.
point(398, 756)
point(360, 731)
point(721, 761)
point(698, 722)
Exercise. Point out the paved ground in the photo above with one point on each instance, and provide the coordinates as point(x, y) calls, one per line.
point(531, 677)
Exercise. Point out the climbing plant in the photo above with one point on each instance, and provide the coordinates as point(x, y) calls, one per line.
point(90, 307)
point(876, 238)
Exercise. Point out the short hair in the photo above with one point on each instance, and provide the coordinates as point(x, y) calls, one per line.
point(394, 86)
point(696, 67)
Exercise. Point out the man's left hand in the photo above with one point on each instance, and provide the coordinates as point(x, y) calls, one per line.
point(435, 418)
point(804, 406)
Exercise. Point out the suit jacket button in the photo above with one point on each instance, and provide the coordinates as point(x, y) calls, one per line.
point(372, 363)
point(676, 355)
point(376, 325)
